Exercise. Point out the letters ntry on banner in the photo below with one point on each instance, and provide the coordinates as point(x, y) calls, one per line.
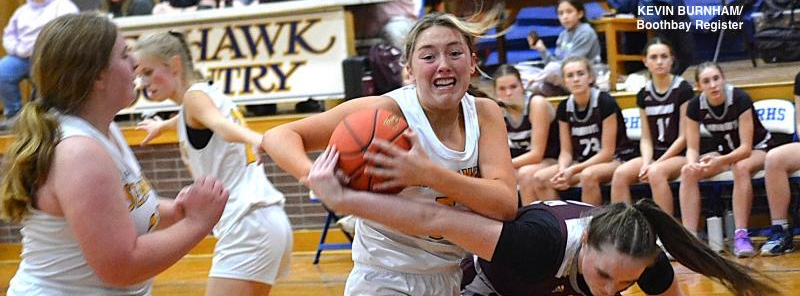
point(258, 58)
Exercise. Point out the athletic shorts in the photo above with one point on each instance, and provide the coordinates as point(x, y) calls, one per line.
point(475, 283)
point(256, 248)
point(367, 280)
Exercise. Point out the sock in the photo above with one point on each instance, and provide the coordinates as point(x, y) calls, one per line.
point(784, 223)
point(741, 229)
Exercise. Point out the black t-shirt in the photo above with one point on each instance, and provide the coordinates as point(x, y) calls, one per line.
point(663, 112)
point(586, 126)
point(532, 249)
point(797, 84)
point(723, 120)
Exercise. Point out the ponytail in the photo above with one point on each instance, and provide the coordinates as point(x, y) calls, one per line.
point(27, 160)
point(62, 69)
point(697, 256)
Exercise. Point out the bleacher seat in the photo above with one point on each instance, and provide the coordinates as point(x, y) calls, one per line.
point(777, 116)
point(544, 20)
point(633, 125)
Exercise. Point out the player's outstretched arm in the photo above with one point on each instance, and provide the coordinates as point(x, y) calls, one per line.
point(406, 215)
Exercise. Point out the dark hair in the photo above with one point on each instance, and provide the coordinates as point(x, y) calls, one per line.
point(655, 41)
point(704, 65)
point(578, 4)
point(633, 229)
point(503, 70)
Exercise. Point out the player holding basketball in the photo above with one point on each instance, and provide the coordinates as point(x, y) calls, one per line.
point(89, 217)
point(459, 157)
point(551, 248)
point(254, 237)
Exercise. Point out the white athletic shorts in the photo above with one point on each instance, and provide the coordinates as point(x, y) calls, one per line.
point(256, 248)
point(375, 281)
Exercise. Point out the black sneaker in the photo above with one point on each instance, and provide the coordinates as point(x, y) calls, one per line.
point(780, 242)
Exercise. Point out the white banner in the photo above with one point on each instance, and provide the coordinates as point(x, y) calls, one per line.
point(257, 55)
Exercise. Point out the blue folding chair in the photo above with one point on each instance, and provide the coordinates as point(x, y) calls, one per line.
point(331, 219)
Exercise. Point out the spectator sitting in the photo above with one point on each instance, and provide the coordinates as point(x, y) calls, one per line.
point(18, 39)
point(577, 39)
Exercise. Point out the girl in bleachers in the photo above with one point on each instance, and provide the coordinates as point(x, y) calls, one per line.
point(781, 162)
point(592, 135)
point(742, 142)
point(532, 128)
point(577, 39)
point(662, 104)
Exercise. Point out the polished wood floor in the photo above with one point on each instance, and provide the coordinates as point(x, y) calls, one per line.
point(188, 277)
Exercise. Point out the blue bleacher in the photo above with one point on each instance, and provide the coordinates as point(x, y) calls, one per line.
point(545, 21)
point(542, 19)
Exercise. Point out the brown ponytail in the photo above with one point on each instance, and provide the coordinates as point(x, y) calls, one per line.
point(632, 230)
point(697, 256)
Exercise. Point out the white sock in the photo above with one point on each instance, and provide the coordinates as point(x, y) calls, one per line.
point(784, 223)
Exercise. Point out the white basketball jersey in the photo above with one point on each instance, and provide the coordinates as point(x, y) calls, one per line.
point(234, 164)
point(52, 262)
point(378, 245)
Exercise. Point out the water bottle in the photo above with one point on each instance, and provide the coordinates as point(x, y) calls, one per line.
point(730, 224)
point(715, 240)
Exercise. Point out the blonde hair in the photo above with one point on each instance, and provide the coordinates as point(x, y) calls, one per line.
point(163, 46)
point(469, 28)
point(71, 51)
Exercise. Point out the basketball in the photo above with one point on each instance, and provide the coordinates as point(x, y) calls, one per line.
point(354, 136)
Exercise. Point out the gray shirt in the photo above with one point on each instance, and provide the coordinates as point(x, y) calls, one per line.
point(580, 41)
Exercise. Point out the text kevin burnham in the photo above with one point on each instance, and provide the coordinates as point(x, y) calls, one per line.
point(664, 18)
point(662, 10)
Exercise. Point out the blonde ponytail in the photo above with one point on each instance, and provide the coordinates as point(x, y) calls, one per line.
point(27, 160)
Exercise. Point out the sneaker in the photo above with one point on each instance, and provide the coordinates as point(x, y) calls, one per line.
point(347, 224)
point(741, 245)
point(780, 242)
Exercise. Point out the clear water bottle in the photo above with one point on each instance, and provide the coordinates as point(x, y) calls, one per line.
point(730, 224)
point(602, 76)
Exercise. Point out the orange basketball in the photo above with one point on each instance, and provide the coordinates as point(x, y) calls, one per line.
point(354, 135)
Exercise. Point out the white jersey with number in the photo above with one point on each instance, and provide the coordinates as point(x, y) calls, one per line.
point(52, 262)
point(234, 164)
point(379, 245)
